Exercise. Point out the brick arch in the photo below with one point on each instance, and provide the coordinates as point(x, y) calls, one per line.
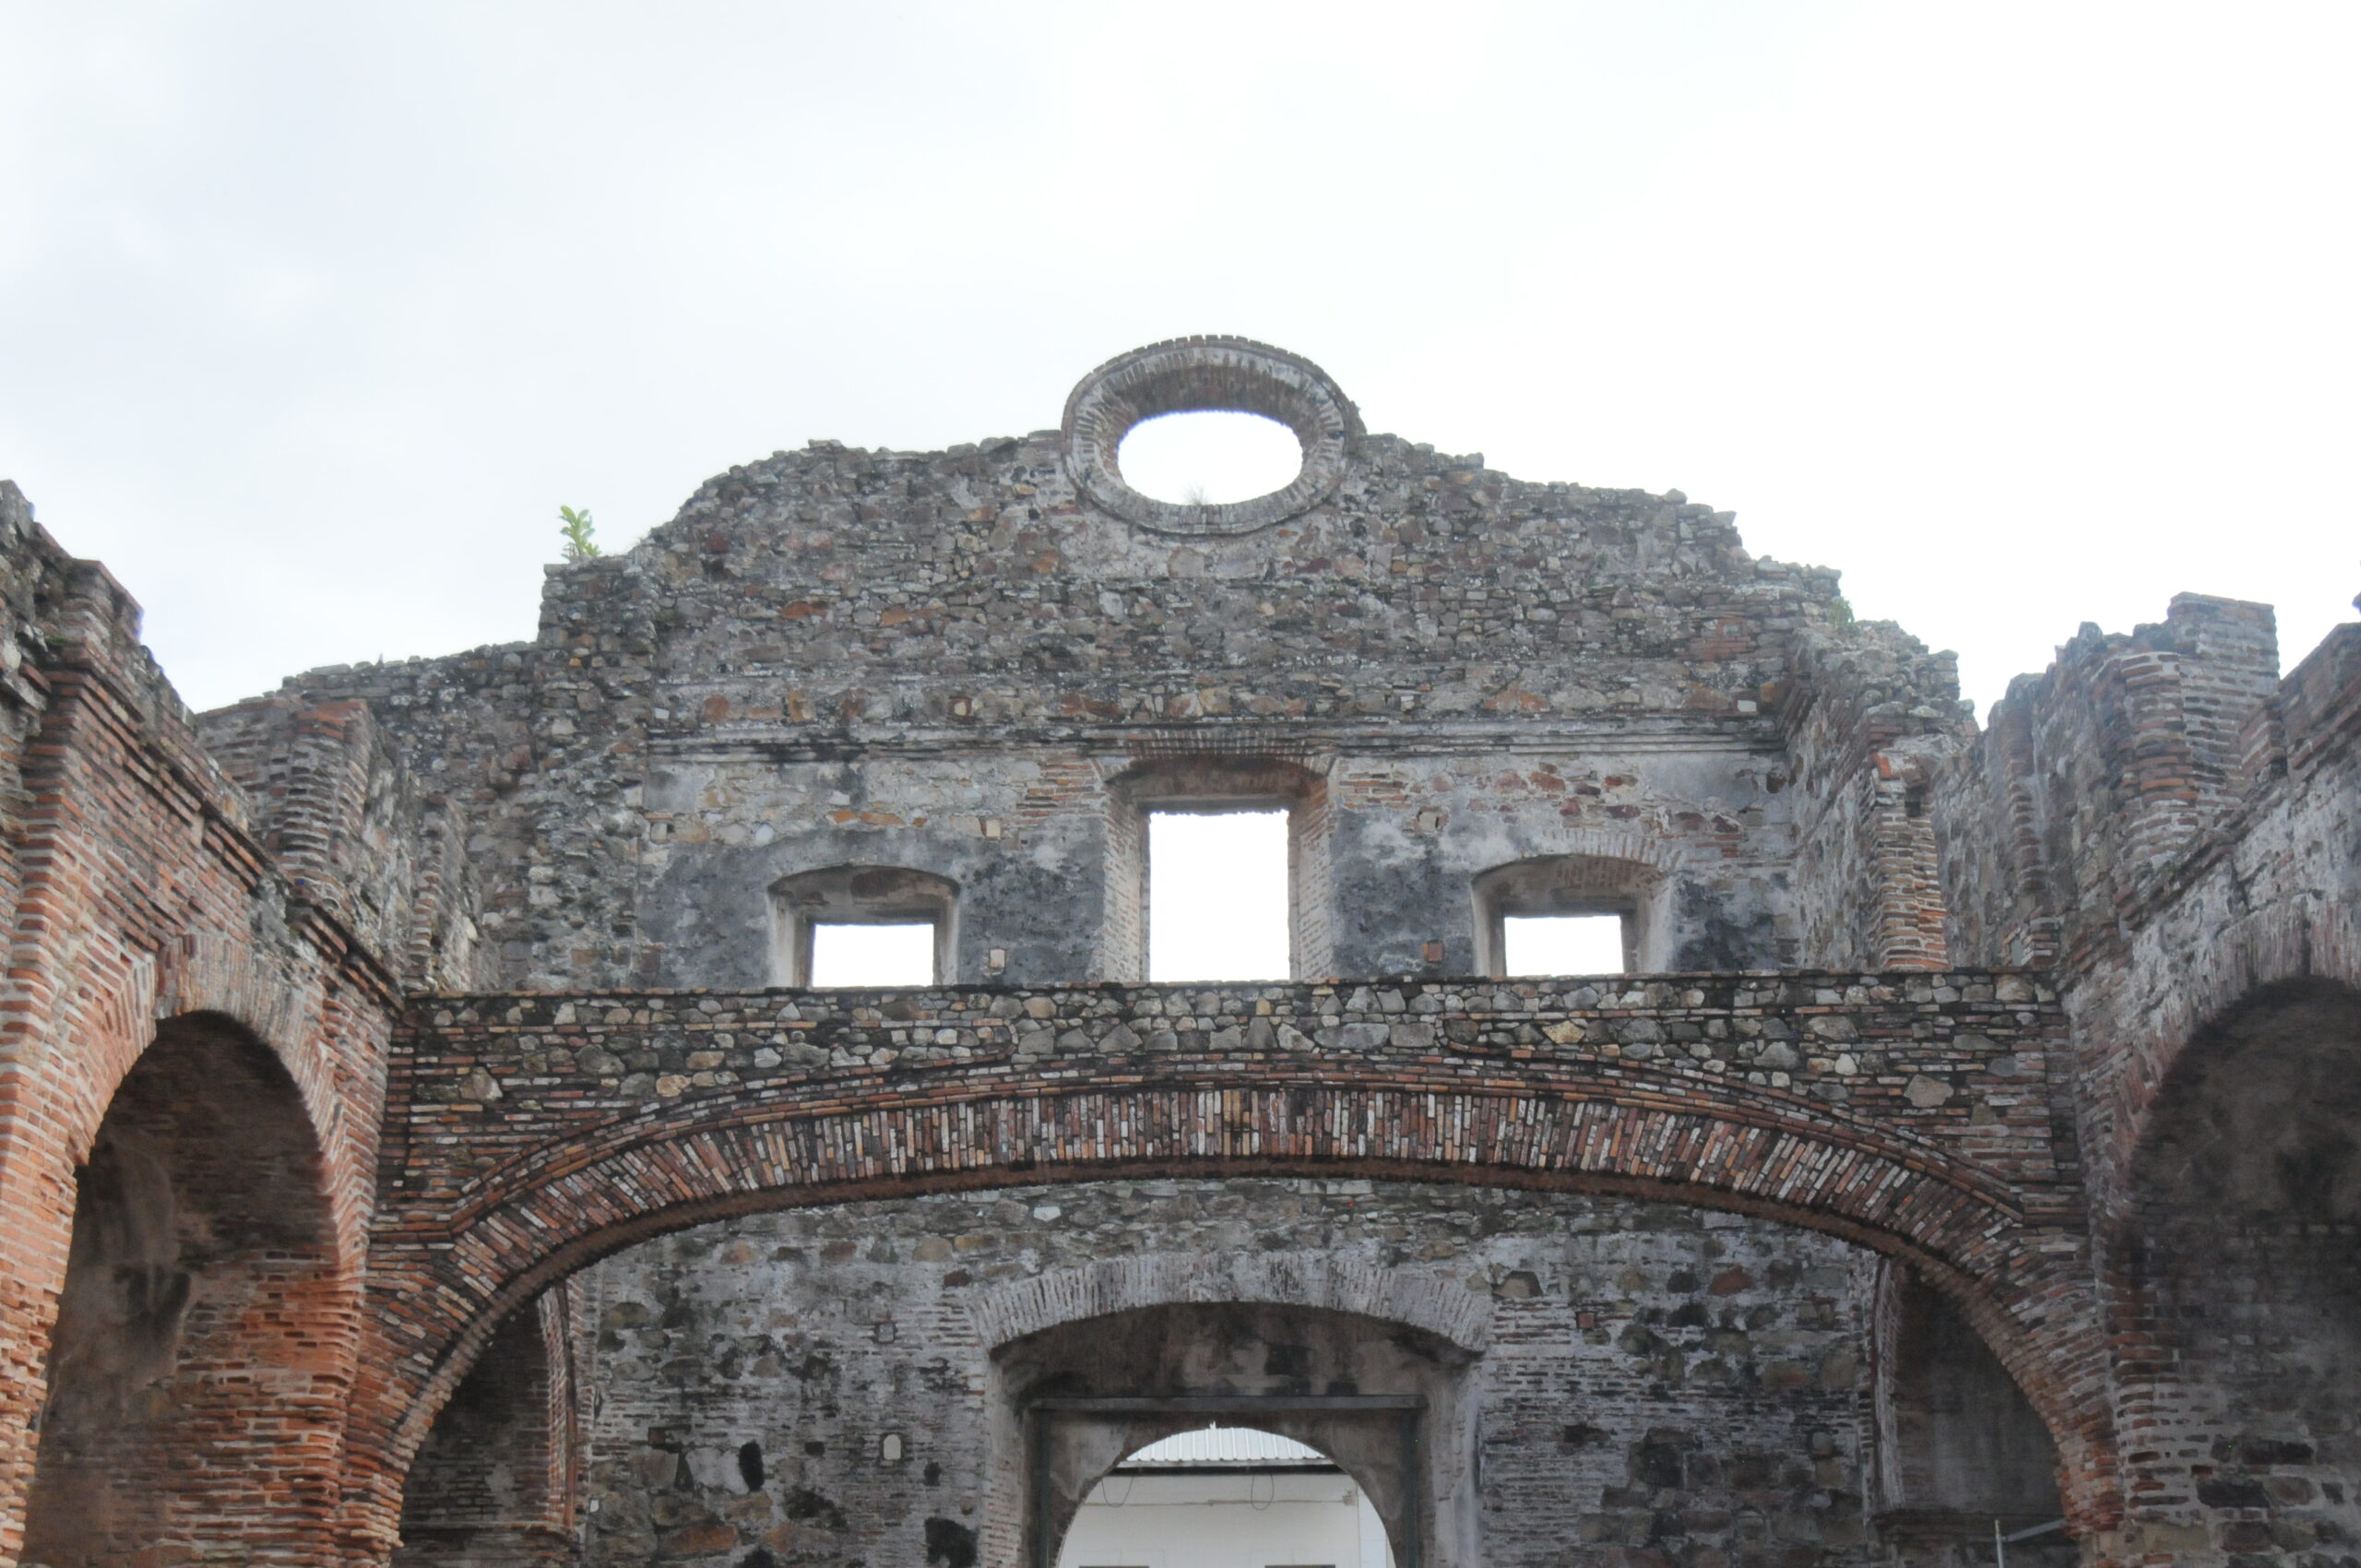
point(124, 994)
point(205, 1313)
point(1661, 1126)
point(115, 1025)
point(2227, 1181)
point(1294, 1279)
point(2213, 973)
point(130, 993)
point(118, 1027)
point(73, 1064)
point(441, 1288)
point(1657, 852)
point(2191, 1086)
point(301, 1021)
point(2222, 1034)
point(211, 971)
point(65, 1071)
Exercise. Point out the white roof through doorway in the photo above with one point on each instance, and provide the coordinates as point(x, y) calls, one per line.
point(1227, 1446)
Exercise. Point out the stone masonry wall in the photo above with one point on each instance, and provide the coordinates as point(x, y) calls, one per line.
point(2228, 998)
point(1656, 1380)
point(938, 661)
point(2087, 1061)
point(1025, 834)
point(487, 1083)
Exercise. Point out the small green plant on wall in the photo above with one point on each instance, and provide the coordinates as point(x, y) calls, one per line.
point(577, 528)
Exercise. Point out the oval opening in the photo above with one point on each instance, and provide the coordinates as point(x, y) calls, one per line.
point(1209, 457)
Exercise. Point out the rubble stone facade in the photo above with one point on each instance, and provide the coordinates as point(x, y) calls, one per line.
point(423, 1145)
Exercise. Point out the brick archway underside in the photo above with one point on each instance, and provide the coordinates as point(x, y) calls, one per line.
point(549, 1178)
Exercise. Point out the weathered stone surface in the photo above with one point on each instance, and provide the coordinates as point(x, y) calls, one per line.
point(1615, 1320)
point(463, 983)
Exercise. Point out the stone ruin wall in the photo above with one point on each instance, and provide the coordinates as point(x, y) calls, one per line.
point(939, 662)
point(1652, 1378)
point(949, 662)
point(706, 1376)
point(2172, 824)
point(952, 661)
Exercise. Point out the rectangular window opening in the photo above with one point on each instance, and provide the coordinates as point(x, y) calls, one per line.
point(1217, 898)
point(872, 955)
point(1562, 945)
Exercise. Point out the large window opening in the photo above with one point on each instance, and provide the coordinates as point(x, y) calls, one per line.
point(1562, 945)
point(1209, 457)
point(1218, 895)
point(1226, 1497)
point(1217, 871)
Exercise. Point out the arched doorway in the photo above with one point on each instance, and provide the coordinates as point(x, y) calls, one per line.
point(1962, 1457)
point(2243, 1242)
point(1219, 1495)
point(195, 1394)
point(496, 1480)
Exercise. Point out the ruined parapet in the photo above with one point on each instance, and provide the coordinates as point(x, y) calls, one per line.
point(354, 835)
point(470, 730)
point(1870, 714)
point(2094, 778)
point(64, 614)
point(2298, 727)
point(29, 567)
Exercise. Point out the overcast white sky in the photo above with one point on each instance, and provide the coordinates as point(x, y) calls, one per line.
point(312, 315)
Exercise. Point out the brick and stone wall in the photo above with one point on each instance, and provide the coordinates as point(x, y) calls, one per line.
point(2057, 1015)
point(1914, 1111)
point(2173, 824)
point(224, 1185)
